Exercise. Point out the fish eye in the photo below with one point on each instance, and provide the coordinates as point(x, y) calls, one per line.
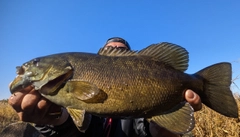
point(35, 61)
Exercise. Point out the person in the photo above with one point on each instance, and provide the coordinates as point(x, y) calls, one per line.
point(53, 120)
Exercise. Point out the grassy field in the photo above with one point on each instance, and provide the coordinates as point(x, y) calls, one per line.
point(7, 114)
point(212, 124)
point(208, 122)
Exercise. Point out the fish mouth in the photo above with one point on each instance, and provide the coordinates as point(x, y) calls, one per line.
point(19, 83)
point(45, 85)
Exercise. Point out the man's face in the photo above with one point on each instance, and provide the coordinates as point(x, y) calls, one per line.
point(116, 45)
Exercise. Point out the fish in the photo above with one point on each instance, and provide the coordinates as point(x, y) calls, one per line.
point(117, 83)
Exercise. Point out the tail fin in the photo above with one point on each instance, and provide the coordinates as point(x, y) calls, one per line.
point(216, 93)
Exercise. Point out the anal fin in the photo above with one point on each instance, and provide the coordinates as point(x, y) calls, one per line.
point(178, 120)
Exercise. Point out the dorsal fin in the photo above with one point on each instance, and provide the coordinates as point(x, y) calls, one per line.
point(113, 51)
point(169, 53)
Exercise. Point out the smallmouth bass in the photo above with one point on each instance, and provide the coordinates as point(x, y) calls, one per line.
point(128, 84)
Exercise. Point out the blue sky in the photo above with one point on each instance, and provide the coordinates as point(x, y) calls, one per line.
point(209, 30)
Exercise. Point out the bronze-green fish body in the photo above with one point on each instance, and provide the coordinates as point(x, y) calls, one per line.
point(127, 90)
point(127, 84)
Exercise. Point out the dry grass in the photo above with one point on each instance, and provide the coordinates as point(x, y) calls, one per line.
point(7, 114)
point(212, 124)
point(208, 122)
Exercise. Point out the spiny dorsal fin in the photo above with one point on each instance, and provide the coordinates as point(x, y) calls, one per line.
point(169, 53)
point(113, 51)
point(179, 120)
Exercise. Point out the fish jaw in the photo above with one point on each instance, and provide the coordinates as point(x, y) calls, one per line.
point(19, 83)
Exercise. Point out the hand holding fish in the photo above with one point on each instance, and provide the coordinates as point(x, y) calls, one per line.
point(32, 107)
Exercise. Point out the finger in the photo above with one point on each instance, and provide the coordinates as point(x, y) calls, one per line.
point(50, 113)
point(193, 99)
point(15, 100)
point(30, 101)
point(43, 107)
point(39, 111)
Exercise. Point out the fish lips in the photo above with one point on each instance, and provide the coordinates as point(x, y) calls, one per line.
point(19, 83)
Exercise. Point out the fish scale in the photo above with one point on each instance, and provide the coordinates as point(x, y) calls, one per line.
point(143, 82)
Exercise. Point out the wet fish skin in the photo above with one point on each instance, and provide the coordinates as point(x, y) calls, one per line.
point(149, 83)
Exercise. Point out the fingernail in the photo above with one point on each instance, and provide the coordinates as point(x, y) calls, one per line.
point(190, 94)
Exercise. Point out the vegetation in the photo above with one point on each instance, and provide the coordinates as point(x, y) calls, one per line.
point(208, 122)
point(212, 124)
point(7, 114)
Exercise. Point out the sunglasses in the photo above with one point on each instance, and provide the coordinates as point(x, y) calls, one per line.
point(117, 40)
point(121, 48)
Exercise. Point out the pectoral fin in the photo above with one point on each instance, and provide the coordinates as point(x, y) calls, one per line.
point(80, 118)
point(86, 92)
point(179, 120)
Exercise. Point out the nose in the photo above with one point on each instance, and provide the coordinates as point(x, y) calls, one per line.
point(20, 70)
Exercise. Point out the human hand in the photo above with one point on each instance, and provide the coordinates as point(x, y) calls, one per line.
point(32, 107)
